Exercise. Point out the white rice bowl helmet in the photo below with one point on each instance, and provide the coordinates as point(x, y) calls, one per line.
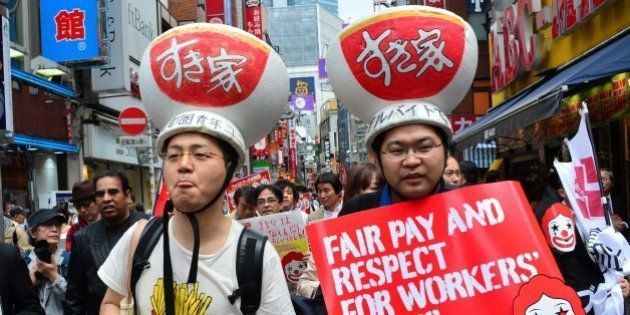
point(213, 79)
point(401, 66)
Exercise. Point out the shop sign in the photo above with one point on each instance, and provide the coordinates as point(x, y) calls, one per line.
point(302, 96)
point(134, 141)
point(253, 18)
point(435, 3)
point(260, 149)
point(142, 26)
point(111, 76)
point(515, 39)
point(102, 144)
point(215, 11)
point(69, 30)
point(605, 102)
point(478, 6)
point(6, 92)
point(461, 122)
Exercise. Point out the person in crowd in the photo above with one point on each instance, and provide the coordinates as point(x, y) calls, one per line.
point(8, 205)
point(17, 295)
point(452, 174)
point(93, 244)
point(18, 215)
point(469, 173)
point(202, 148)
point(268, 199)
point(48, 276)
point(135, 206)
point(579, 271)
point(492, 176)
point(362, 179)
point(62, 209)
point(84, 202)
point(12, 233)
point(245, 200)
point(616, 202)
point(290, 195)
point(329, 194)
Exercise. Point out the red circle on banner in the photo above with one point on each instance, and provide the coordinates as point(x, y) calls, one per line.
point(132, 120)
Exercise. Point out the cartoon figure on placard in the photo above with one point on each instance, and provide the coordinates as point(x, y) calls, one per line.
point(544, 295)
point(294, 264)
point(558, 225)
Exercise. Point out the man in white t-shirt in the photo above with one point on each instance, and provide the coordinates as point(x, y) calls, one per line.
point(201, 149)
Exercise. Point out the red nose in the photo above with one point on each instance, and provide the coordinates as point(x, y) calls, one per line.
point(564, 233)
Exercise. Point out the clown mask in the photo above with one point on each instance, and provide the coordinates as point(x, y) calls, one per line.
point(550, 306)
point(558, 227)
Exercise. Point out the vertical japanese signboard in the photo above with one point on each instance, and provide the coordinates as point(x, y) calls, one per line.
point(215, 11)
point(112, 75)
point(69, 30)
point(253, 18)
point(6, 95)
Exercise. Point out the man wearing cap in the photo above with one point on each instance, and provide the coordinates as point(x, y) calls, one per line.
point(12, 233)
point(93, 244)
point(209, 119)
point(47, 277)
point(84, 202)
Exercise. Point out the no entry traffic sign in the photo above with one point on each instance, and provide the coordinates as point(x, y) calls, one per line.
point(132, 120)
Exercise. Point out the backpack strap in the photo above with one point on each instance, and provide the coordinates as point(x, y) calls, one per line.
point(249, 270)
point(148, 240)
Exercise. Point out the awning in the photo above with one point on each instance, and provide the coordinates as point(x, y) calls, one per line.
point(53, 87)
point(41, 143)
point(543, 99)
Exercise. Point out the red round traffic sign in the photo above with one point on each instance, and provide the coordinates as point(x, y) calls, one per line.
point(132, 120)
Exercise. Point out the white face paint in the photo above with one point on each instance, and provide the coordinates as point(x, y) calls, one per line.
point(293, 270)
point(550, 306)
point(562, 233)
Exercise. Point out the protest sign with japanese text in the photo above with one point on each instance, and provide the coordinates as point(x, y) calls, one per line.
point(254, 180)
point(286, 231)
point(470, 249)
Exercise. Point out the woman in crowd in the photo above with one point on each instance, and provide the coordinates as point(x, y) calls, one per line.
point(363, 178)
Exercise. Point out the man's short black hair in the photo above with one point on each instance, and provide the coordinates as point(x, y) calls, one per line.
point(332, 179)
point(469, 170)
point(283, 183)
point(111, 173)
point(247, 192)
point(277, 192)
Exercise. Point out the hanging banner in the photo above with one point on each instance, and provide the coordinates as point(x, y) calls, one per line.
point(286, 231)
point(475, 249)
point(461, 122)
point(253, 18)
point(262, 178)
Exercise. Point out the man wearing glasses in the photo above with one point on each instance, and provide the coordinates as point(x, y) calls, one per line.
point(268, 199)
point(92, 245)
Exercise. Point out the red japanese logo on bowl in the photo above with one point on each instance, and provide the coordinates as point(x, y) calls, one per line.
point(407, 57)
point(208, 68)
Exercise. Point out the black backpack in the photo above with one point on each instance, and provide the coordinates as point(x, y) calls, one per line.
point(249, 263)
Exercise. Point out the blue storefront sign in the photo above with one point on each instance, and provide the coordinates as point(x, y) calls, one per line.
point(69, 30)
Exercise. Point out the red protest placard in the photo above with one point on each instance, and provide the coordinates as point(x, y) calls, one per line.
point(467, 250)
point(251, 180)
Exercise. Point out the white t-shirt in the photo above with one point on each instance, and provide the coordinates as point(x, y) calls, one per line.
point(216, 277)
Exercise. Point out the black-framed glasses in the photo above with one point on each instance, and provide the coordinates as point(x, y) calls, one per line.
point(398, 152)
